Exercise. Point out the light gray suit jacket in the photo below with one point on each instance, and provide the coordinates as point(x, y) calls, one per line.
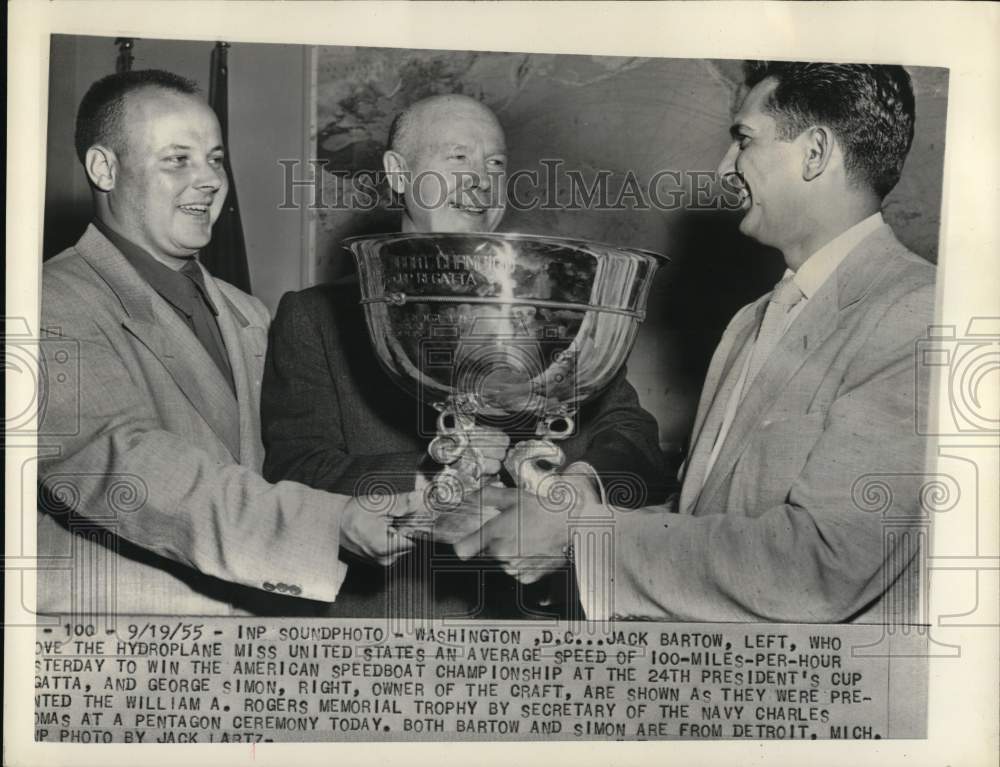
point(810, 511)
point(150, 497)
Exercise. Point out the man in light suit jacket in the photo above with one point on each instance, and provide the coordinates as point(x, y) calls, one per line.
point(800, 493)
point(150, 496)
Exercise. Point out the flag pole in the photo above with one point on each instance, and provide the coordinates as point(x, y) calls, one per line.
point(225, 256)
point(125, 57)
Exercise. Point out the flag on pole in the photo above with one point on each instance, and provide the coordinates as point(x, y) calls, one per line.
point(226, 255)
point(124, 61)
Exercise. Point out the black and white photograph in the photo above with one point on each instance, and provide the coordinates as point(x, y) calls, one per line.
point(433, 393)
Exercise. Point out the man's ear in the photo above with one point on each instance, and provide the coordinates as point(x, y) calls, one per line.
point(818, 147)
point(395, 171)
point(101, 165)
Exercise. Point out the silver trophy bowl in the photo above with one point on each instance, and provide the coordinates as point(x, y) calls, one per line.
point(513, 328)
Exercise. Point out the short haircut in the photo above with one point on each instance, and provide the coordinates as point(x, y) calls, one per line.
point(102, 111)
point(401, 130)
point(869, 108)
point(398, 131)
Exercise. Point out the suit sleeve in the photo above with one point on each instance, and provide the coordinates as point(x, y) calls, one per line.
point(301, 415)
point(621, 441)
point(837, 543)
point(105, 456)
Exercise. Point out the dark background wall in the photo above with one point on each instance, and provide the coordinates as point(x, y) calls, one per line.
point(620, 115)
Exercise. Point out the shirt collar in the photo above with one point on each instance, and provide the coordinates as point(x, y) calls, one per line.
point(824, 262)
point(176, 288)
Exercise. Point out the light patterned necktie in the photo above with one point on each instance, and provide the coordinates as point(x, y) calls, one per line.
point(786, 295)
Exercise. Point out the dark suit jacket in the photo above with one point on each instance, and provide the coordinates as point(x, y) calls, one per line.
point(334, 420)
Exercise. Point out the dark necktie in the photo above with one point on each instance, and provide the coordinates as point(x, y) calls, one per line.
point(203, 320)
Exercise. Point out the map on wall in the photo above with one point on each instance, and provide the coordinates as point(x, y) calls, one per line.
point(592, 113)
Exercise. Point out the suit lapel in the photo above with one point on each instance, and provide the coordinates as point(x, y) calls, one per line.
point(817, 320)
point(719, 383)
point(151, 320)
point(851, 280)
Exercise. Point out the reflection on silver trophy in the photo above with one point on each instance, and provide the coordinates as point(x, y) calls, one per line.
point(506, 328)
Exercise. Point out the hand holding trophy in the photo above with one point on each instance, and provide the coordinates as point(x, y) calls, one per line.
point(499, 332)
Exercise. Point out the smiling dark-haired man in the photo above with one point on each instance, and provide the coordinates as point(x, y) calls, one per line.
point(151, 500)
point(811, 400)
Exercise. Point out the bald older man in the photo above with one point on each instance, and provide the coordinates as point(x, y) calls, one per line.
point(447, 159)
point(333, 420)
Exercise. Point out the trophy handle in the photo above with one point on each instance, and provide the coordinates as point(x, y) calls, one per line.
point(452, 436)
point(556, 426)
point(463, 471)
point(532, 462)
